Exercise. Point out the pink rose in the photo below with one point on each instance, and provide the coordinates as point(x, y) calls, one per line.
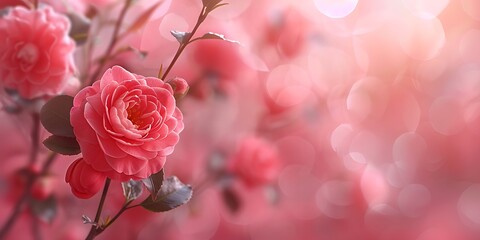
point(83, 179)
point(256, 161)
point(36, 54)
point(126, 124)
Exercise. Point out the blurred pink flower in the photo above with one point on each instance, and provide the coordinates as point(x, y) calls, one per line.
point(126, 124)
point(83, 179)
point(256, 161)
point(11, 3)
point(36, 57)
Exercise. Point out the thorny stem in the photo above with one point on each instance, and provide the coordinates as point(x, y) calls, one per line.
point(96, 228)
point(25, 195)
point(111, 45)
point(184, 44)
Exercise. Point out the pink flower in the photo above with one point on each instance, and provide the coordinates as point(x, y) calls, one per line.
point(126, 124)
point(36, 54)
point(256, 161)
point(83, 179)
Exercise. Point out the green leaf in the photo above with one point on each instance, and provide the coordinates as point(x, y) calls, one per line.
point(154, 183)
point(55, 116)
point(62, 145)
point(172, 194)
point(132, 189)
point(45, 210)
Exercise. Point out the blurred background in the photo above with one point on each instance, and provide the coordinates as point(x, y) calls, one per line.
point(321, 119)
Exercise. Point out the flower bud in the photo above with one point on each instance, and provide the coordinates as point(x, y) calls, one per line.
point(180, 87)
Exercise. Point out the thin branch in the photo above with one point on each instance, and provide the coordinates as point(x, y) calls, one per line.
point(35, 135)
point(123, 209)
point(201, 18)
point(25, 195)
point(111, 45)
point(94, 231)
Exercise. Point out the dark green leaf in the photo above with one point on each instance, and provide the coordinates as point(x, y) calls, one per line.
point(154, 183)
point(132, 189)
point(231, 199)
point(45, 210)
point(55, 116)
point(62, 145)
point(172, 194)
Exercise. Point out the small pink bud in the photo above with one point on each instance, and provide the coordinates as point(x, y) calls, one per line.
point(180, 87)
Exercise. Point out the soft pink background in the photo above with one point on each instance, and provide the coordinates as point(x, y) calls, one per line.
point(373, 107)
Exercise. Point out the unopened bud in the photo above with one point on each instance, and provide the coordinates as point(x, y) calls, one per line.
point(180, 87)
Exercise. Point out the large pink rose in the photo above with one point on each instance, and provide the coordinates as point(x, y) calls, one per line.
point(126, 124)
point(36, 54)
point(256, 161)
point(83, 179)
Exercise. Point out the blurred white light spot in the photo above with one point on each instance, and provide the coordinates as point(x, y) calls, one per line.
point(341, 138)
point(469, 47)
point(413, 200)
point(330, 67)
point(426, 8)
point(334, 197)
point(469, 207)
point(409, 147)
point(172, 21)
point(359, 103)
point(374, 187)
point(288, 85)
point(446, 116)
point(336, 8)
point(368, 144)
point(232, 10)
point(472, 8)
point(421, 38)
point(354, 161)
point(396, 176)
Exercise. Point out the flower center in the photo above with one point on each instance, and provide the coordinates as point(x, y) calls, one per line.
point(134, 115)
point(27, 56)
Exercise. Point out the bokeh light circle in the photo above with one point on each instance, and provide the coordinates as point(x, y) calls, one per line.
point(336, 8)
